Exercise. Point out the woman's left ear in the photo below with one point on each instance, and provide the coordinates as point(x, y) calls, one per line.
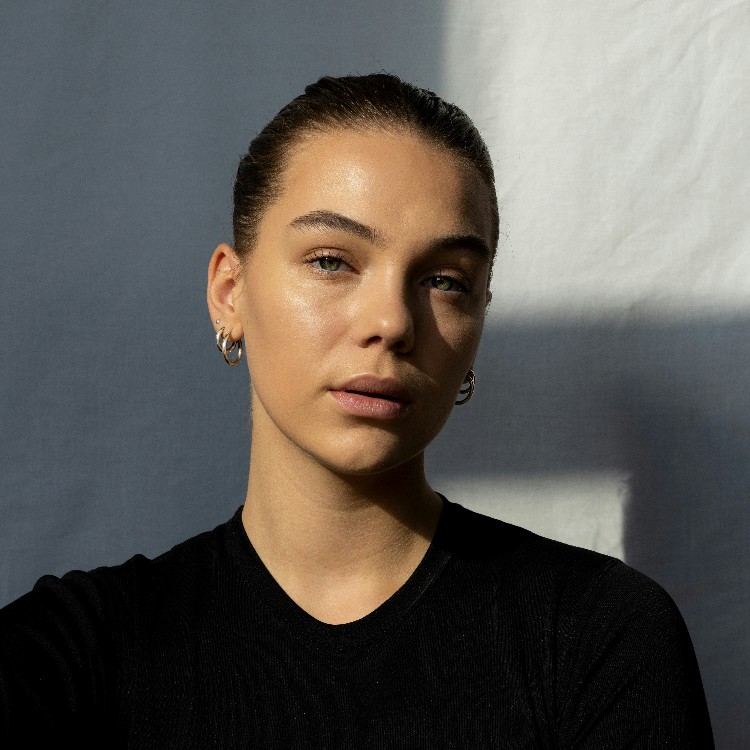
point(222, 290)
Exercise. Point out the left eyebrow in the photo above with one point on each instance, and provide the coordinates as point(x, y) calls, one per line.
point(338, 223)
point(476, 245)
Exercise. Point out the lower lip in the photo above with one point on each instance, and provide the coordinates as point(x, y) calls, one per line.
point(369, 406)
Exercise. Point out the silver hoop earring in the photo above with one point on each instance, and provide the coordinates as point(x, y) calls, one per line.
point(468, 391)
point(223, 345)
point(220, 344)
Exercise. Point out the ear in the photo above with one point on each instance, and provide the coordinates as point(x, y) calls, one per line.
point(223, 289)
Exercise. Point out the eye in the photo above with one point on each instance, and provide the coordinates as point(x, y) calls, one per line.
point(328, 263)
point(444, 283)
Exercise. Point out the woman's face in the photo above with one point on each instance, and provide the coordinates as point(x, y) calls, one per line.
point(363, 302)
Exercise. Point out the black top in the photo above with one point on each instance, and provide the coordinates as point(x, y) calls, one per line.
point(500, 639)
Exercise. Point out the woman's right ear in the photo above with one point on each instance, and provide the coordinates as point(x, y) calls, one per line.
point(222, 290)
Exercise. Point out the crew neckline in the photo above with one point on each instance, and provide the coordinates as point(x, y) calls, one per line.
point(299, 623)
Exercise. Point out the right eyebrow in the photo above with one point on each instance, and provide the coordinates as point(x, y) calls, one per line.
point(337, 222)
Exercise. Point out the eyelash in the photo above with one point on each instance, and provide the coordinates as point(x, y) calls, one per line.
point(460, 283)
point(324, 255)
point(320, 255)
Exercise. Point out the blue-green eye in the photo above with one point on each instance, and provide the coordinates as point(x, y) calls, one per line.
point(328, 263)
point(446, 284)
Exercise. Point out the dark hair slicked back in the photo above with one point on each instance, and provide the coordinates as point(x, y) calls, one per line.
point(378, 100)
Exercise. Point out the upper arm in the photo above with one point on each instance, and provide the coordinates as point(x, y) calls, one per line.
point(629, 678)
point(55, 657)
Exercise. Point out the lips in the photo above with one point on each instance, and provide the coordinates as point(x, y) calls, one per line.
point(370, 385)
point(373, 397)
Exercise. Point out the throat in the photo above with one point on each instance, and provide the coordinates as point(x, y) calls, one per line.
point(341, 566)
point(339, 596)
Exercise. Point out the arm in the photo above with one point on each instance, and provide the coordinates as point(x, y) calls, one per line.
point(630, 678)
point(53, 663)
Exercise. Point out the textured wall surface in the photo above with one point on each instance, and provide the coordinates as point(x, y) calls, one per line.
point(613, 406)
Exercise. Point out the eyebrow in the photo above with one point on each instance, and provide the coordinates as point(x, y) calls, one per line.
point(471, 242)
point(338, 223)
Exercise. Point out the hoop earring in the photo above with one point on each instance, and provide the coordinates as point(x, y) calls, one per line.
point(219, 341)
point(222, 345)
point(468, 391)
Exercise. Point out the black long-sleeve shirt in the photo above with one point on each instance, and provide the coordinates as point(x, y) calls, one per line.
point(500, 639)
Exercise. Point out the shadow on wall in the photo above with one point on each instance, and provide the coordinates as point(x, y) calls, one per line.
point(669, 405)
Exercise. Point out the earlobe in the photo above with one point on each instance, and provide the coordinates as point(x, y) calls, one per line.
point(221, 291)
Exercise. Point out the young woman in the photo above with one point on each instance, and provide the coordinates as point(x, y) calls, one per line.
point(347, 604)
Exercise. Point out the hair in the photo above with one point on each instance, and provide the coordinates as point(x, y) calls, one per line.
point(379, 100)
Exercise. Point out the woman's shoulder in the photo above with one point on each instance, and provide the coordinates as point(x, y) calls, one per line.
point(544, 571)
point(473, 536)
point(134, 586)
point(601, 641)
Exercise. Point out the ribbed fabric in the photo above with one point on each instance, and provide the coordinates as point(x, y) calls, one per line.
point(500, 639)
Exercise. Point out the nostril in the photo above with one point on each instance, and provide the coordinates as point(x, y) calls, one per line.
point(386, 319)
point(400, 344)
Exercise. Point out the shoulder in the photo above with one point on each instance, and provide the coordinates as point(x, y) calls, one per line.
point(544, 574)
point(63, 644)
point(110, 594)
point(609, 640)
point(482, 541)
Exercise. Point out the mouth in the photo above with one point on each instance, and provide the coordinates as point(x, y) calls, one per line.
point(373, 397)
point(372, 386)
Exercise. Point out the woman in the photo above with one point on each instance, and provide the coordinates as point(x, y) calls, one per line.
point(347, 604)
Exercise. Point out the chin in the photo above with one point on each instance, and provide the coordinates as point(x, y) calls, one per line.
point(368, 457)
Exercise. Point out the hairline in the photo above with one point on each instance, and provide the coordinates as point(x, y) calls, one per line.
point(381, 123)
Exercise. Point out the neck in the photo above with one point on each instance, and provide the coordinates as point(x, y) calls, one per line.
point(339, 545)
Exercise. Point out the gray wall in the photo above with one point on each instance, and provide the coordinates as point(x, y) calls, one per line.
point(124, 431)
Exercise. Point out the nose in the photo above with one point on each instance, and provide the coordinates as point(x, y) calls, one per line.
point(385, 317)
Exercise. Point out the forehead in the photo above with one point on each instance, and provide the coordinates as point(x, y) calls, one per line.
point(394, 180)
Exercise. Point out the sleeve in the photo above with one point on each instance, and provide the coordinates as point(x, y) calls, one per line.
point(54, 664)
point(630, 678)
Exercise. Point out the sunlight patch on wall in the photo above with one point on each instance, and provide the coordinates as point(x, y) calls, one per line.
point(620, 157)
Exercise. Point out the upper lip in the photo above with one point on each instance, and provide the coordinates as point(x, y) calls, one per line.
point(371, 385)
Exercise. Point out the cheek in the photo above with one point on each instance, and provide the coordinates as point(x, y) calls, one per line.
point(287, 330)
point(458, 335)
